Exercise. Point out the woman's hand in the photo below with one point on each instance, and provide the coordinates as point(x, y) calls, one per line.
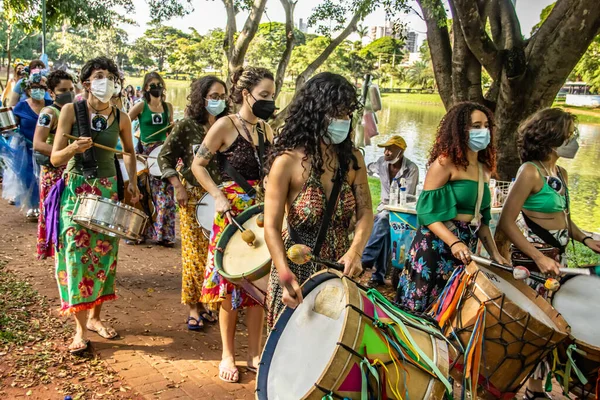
point(81, 145)
point(548, 266)
point(222, 206)
point(134, 192)
point(501, 260)
point(292, 299)
point(181, 195)
point(461, 252)
point(352, 263)
point(593, 244)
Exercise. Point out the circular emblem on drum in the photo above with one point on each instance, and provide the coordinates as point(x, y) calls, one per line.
point(99, 122)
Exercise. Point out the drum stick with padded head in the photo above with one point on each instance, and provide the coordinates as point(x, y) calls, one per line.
point(520, 273)
point(286, 279)
point(301, 254)
point(98, 145)
point(592, 270)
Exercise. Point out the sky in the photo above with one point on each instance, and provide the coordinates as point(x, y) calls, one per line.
point(210, 14)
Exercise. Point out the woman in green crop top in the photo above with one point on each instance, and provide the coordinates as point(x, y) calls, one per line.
point(86, 261)
point(155, 116)
point(446, 209)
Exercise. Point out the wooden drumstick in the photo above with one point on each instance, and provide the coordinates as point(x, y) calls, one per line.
point(162, 130)
point(286, 279)
point(301, 254)
point(98, 145)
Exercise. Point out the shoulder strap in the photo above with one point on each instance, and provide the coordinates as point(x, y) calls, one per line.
point(166, 108)
point(543, 233)
point(84, 129)
point(477, 216)
point(261, 148)
point(333, 200)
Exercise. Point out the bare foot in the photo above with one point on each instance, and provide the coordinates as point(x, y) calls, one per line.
point(107, 332)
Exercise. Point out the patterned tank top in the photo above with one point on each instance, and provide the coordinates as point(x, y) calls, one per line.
point(242, 155)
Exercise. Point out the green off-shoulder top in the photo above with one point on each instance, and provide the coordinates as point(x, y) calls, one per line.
point(455, 197)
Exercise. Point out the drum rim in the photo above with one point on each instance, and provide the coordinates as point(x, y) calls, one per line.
point(262, 376)
point(198, 204)
point(218, 257)
point(107, 200)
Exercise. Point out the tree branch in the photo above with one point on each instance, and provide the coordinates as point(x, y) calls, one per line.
point(480, 44)
point(290, 40)
point(511, 27)
point(438, 40)
point(231, 28)
point(246, 34)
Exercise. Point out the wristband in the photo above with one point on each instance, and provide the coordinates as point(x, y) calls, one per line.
point(586, 238)
point(457, 242)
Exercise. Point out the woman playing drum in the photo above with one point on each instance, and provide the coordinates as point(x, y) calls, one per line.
point(86, 261)
point(207, 103)
point(235, 140)
point(155, 115)
point(313, 147)
point(541, 194)
point(461, 161)
point(60, 85)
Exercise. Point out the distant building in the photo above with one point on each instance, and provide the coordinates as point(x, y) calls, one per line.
point(302, 26)
point(411, 42)
point(410, 37)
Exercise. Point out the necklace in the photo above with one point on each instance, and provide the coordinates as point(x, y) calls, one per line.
point(247, 122)
point(546, 169)
point(97, 111)
point(245, 128)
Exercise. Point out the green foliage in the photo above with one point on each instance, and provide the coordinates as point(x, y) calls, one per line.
point(424, 51)
point(77, 45)
point(269, 43)
point(588, 68)
point(386, 49)
point(420, 74)
point(543, 15)
point(581, 255)
point(375, 189)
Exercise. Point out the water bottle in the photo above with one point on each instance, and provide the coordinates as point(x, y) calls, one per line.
point(403, 196)
point(394, 189)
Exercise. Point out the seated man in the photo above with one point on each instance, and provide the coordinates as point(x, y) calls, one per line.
point(392, 165)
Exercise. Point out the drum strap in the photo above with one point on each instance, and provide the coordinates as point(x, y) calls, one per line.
point(543, 234)
point(120, 181)
point(237, 177)
point(88, 158)
point(329, 210)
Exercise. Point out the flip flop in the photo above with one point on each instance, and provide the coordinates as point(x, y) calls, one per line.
point(208, 316)
point(252, 369)
point(199, 324)
point(104, 332)
point(80, 350)
point(234, 373)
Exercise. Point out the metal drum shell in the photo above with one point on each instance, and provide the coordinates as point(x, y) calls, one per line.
point(8, 121)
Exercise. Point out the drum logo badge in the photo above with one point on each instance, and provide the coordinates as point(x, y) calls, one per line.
point(99, 122)
point(157, 119)
point(44, 120)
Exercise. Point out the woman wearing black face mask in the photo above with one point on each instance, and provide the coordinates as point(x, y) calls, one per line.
point(235, 140)
point(155, 115)
point(60, 86)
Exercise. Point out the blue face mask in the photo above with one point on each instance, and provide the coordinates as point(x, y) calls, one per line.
point(37, 94)
point(215, 107)
point(338, 131)
point(479, 139)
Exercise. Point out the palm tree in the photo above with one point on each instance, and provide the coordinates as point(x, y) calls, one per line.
point(363, 31)
point(420, 74)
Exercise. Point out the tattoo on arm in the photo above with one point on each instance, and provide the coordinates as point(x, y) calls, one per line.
point(362, 195)
point(204, 152)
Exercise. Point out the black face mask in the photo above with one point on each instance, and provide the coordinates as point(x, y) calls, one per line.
point(263, 109)
point(155, 92)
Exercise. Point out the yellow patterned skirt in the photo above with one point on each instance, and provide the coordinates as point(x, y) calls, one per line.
point(194, 248)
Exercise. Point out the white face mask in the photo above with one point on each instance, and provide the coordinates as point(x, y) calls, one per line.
point(117, 89)
point(102, 89)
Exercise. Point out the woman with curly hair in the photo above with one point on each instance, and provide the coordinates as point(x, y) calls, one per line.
point(154, 116)
point(313, 149)
point(236, 141)
point(541, 195)
point(461, 161)
point(207, 103)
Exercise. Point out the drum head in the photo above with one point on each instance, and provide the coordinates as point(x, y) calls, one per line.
point(235, 259)
point(578, 300)
point(153, 167)
point(303, 342)
point(205, 212)
point(140, 167)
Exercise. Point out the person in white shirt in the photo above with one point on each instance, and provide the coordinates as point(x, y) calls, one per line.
point(391, 165)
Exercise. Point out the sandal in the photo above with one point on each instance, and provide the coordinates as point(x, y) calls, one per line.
point(80, 348)
point(531, 395)
point(199, 324)
point(105, 332)
point(252, 369)
point(233, 373)
point(208, 316)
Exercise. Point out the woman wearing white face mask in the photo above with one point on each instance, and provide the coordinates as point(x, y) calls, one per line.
point(207, 104)
point(314, 154)
point(86, 261)
point(450, 225)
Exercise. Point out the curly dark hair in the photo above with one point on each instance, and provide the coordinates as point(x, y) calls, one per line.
point(543, 131)
point(323, 97)
point(147, 78)
point(247, 78)
point(452, 136)
point(56, 76)
point(96, 64)
point(198, 92)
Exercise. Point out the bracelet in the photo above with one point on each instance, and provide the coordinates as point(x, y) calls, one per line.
point(585, 238)
point(457, 242)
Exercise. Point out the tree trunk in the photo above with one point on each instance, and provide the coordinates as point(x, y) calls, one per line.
point(8, 53)
point(229, 34)
point(290, 40)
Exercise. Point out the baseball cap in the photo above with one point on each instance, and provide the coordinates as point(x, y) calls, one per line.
point(395, 140)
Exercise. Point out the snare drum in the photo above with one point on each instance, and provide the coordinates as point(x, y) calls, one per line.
point(109, 217)
point(518, 327)
point(8, 121)
point(243, 265)
point(140, 166)
point(205, 214)
point(322, 348)
point(153, 166)
point(578, 300)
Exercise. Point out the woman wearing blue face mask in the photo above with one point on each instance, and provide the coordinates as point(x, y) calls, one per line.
point(27, 112)
point(450, 219)
point(207, 103)
point(314, 149)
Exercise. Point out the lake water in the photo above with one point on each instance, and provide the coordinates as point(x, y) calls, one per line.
point(417, 123)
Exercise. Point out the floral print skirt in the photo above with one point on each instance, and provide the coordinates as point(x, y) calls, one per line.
point(194, 249)
point(216, 288)
point(429, 264)
point(162, 228)
point(48, 177)
point(86, 261)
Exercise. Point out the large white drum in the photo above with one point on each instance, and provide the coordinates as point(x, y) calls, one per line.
point(153, 166)
point(140, 166)
point(205, 214)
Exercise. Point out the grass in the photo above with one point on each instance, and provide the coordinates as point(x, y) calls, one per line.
point(581, 255)
point(375, 187)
